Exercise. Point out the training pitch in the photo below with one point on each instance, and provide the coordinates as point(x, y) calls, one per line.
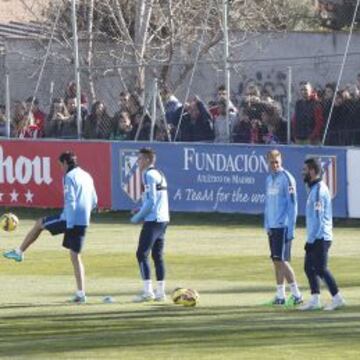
point(224, 257)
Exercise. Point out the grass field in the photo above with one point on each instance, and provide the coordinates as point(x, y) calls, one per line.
point(224, 257)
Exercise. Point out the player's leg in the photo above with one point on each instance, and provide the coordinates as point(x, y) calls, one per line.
point(79, 272)
point(18, 253)
point(158, 258)
point(321, 269)
point(146, 242)
point(74, 240)
point(276, 244)
point(314, 302)
point(295, 298)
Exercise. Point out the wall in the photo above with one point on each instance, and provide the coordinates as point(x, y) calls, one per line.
point(264, 59)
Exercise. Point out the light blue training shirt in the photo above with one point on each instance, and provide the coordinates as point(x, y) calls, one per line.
point(80, 197)
point(155, 203)
point(281, 202)
point(318, 213)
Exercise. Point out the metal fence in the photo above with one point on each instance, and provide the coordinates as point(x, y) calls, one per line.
point(274, 83)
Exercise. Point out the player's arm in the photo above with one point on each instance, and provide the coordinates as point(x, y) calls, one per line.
point(316, 216)
point(69, 202)
point(319, 210)
point(149, 197)
point(266, 224)
point(94, 198)
point(292, 206)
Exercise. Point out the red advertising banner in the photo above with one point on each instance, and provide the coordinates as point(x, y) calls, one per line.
point(30, 175)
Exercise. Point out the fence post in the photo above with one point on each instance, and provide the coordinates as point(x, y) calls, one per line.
point(289, 100)
point(7, 105)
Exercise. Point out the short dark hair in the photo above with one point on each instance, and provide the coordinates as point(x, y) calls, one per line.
point(33, 100)
point(69, 158)
point(149, 153)
point(314, 164)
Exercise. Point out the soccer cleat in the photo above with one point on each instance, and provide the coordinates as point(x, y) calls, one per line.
point(275, 301)
point(293, 300)
point(144, 297)
point(311, 305)
point(13, 255)
point(76, 299)
point(336, 303)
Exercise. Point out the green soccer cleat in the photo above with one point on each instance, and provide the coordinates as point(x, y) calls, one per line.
point(293, 301)
point(13, 255)
point(275, 302)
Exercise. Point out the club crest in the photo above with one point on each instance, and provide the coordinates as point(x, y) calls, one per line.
point(130, 174)
point(329, 168)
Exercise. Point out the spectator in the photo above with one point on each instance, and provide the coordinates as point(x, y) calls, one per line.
point(70, 93)
point(57, 116)
point(308, 120)
point(201, 126)
point(19, 113)
point(337, 128)
point(123, 129)
point(3, 122)
point(276, 126)
point(352, 103)
point(252, 105)
point(242, 130)
point(171, 105)
point(214, 107)
point(98, 124)
point(32, 105)
point(224, 129)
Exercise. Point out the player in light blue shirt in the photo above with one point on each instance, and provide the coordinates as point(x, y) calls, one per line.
point(279, 222)
point(154, 213)
point(319, 238)
point(79, 200)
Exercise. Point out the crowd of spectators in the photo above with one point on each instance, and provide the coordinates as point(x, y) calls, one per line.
point(256, 117)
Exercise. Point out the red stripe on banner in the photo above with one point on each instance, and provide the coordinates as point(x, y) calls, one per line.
point(30, 175)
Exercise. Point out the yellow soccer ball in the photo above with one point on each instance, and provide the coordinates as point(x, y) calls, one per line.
point(177, 294)
point(9, 222)
point(185, 297)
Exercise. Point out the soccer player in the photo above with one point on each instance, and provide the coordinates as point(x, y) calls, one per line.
point(319, 238)
point(280, 221)
point(154, 212)
point(79, 199)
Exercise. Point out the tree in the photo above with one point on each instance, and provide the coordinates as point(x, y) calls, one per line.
point(160, 33)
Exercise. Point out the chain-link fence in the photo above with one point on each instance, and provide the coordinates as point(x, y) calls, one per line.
point(273, 99)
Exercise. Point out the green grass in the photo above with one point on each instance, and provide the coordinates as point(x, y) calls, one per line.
point(224, 257)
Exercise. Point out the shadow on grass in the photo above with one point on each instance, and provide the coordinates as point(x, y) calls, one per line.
point(149, 326)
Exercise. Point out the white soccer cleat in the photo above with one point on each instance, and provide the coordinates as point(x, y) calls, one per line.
point(310, 305)
point(336, 303)
point(160, 297)
point(144, 297)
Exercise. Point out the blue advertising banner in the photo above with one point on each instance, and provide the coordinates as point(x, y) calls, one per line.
point(221, 178)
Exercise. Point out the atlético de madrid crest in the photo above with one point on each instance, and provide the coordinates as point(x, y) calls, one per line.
point(130, 174)
point(329, 166)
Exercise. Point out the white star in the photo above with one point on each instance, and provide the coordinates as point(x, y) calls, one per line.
point(1, 196)
point(14, 196)
point(29, 196)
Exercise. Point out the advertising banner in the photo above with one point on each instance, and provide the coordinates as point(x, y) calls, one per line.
point(353, 164)
point(222, 178)
point(30, 175)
